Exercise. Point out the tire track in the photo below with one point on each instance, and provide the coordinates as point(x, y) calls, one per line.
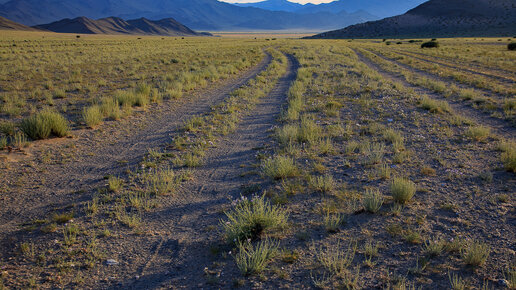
point(501, 79)
point(198, 207)
point(500, 127)
point(485, 91)
point(114, 152)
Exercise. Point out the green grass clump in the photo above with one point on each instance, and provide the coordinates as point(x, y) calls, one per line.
point(287, 134)
point(92, 116)
point(402, 190)
point(309, 132)
point(250, 218)
point(279, 167)
point(373, 200)
point(324, 183)
point(478, 133)
point(509, 159)
point(254, 259)
point(160, 181)
point(44, 124)
point(434, 106)
point(115, 183)
point(334, 259)
point(392, 136)
point(476, 254)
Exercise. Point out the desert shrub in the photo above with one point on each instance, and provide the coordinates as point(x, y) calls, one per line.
point(324, 183)
point(511, 46)
point(476, 254)
point(287, 134)
point(7, 128)
point(373, 200)
point(254, 259)
point(430, 44)
point(334, 258)
point(92, 116)
point(279, 167)
point(309, 132)
point(402, 189)
point(45, 124)
point(508, 158)
point(478, 133)
point(250, 218)
point(109, 108)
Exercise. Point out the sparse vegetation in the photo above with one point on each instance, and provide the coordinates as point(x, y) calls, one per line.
point(44, 124)
point(249, 218)
point(315, 192)
point(253, 259)
point(402, 189)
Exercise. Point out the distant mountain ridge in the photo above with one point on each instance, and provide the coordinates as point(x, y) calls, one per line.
point(196, 14)
point(439, 18)
point(379, 8)
point(6, 24)
point(115, 25)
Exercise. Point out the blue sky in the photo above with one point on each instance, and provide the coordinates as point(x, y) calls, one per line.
point(297, 1)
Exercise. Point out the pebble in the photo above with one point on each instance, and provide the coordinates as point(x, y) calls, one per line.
point(111, 262)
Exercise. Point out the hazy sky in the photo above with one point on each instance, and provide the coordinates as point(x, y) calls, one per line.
point(297, 1)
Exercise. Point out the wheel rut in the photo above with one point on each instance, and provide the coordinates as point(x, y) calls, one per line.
point(119, 147)
point(484, 91)
point(500, 127)
point(502, 79)
point(190, 220)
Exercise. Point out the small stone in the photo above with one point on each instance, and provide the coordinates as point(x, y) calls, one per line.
point(111, 262)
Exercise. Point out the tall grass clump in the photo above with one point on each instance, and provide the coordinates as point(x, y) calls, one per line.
point(254, 259)
point(334, 259)
point(508, 158)
point(476, 254)
point(279, 167)
point(309, 131)
point(478, 133)
point(44, 124)
point(373, 200)
point(161, 181)
point(287, 134)
point(249, 218)
point(434, 106)
point(402, 189)
point(92, 116)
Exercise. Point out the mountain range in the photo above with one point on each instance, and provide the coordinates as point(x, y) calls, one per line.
point(379, 8)
point(196, 14)
point(115, 25)
point(440, 18)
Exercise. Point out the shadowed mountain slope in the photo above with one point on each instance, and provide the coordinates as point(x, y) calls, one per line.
point(115, 25)
point(6, 24)
point(440, 18)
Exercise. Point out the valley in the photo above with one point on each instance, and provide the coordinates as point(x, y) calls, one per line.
point(256, 162)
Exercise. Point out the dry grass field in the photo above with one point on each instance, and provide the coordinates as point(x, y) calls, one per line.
point(256, 162)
